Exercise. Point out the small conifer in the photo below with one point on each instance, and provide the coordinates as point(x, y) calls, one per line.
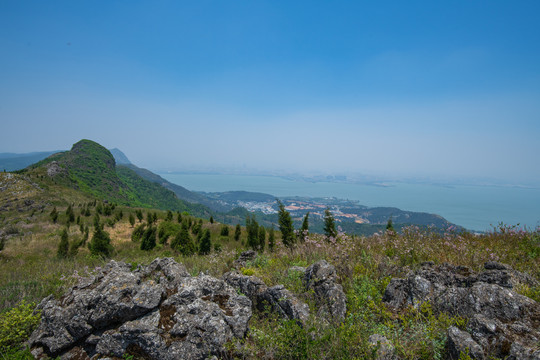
point(63, 246)
point(206, 243)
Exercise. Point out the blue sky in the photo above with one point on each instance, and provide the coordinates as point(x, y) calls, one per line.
point(397, 88)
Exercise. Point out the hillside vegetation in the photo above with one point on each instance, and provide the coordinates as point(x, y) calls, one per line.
point(91, 168)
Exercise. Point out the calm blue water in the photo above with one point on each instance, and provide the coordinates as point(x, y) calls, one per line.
point(473, 207)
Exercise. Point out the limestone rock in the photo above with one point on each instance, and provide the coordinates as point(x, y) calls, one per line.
point(263, 298)
point(499, 318)
point(246, 256)
point(461, 342)
point(156, 312)
point(54, 169)
point(322, 278)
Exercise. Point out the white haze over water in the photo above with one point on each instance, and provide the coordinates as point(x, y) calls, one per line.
point(473, 207)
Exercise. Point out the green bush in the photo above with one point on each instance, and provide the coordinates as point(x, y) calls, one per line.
point(16, 325)
point(167, 229)
point(138, 233)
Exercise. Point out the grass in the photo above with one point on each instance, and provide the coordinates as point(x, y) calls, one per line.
point(30, 270)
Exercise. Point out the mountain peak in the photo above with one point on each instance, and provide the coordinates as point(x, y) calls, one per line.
point(120, 157)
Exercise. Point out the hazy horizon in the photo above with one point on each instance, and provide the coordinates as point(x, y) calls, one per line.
point(401, 89)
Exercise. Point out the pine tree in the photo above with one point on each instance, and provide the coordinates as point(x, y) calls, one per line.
point(63, 246)
point(224, 230)
point(271, 239)
point(138, 232)
point(70, 215)
point(206, 243)
point(237, 232)
point(329, 224)
point(211, 219)
point(252, 228)
point(97, 223)
point(139, 215)
point(100, 245)
point(131, 220)
point(54, 215)
point(390, 228)
point(285, 225)
point(169, 215)
point(196, 229)
point(304, 230)
point(183, 242)
point(179, 217)
point(149, 238)
point(262, 238)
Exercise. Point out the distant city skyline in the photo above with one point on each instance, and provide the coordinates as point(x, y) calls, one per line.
point(402, 89)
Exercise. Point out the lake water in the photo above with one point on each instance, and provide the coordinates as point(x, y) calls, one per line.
point(473, 207)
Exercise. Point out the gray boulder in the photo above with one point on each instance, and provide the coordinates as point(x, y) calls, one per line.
point(499, 318)
point(263, 298)
point(322, 278)
point(156, 312)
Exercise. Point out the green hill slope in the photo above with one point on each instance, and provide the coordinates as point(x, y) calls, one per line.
point(180, 191)
point(91, 168)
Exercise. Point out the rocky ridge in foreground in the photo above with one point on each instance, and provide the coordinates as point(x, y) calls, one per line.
point(160, 311)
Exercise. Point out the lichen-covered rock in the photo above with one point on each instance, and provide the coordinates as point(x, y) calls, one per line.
point(322, 278)
point(384, 348)
point(286, 304)
point(263, 298)
point(461, 342)
point(156, 312)
point(499, 318)
point(244, 257)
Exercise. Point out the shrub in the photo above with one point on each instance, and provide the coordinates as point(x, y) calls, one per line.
point(183, 242)
point(138, 233)
point(167, 229)
point(16, 325)
point(224, 230)
point(149, 239)
point(100, 245)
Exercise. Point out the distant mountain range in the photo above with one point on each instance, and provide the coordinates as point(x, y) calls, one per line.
point(12, 161)
point(109, 175)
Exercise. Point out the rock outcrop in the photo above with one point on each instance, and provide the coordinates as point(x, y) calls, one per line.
point(275, 298)
point(502, 323)
point(157, 311)
point(53, 169)
point(320, 277)
point(244, 257)
point(384, 350)
point(332, 301)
